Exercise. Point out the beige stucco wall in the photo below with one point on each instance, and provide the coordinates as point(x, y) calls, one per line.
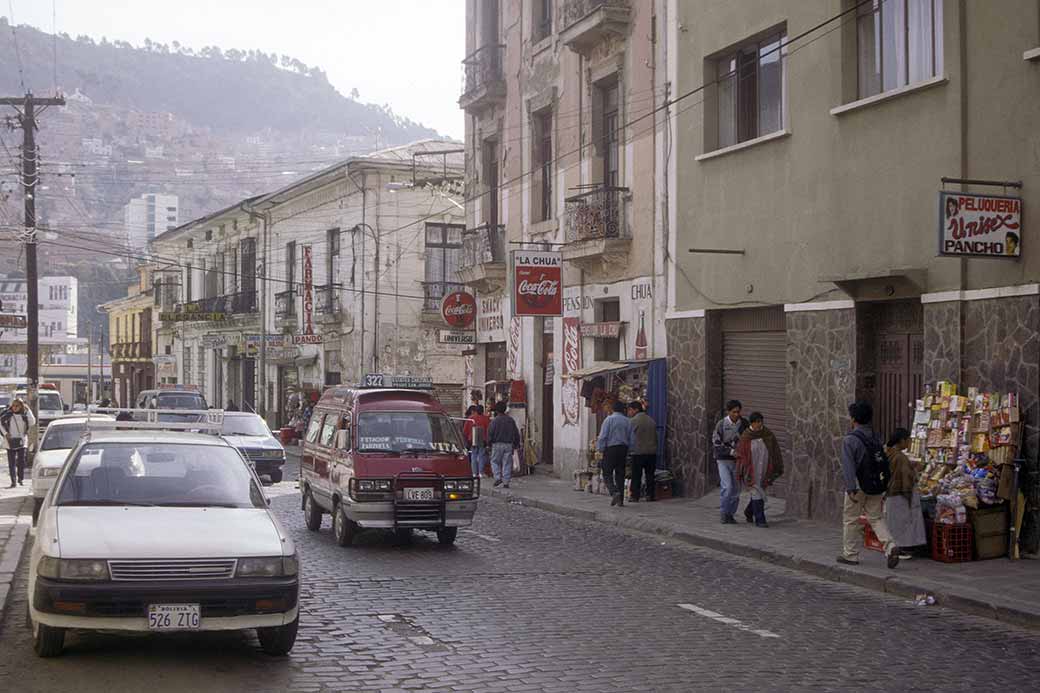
point(851, 194)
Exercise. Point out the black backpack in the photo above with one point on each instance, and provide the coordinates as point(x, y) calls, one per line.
point(874, 473)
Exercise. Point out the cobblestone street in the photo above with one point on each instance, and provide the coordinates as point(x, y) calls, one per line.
point(529, 601)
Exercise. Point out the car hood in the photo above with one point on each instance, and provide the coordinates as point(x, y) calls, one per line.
point(254, 442)
point(132, 532)
point(51, 458)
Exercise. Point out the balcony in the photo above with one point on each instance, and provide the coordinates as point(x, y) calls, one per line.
point(433, 293)
point(594, 223)
point(217, 307)
point(483, 83)
point(484, 257)
point(327, 306)
point(586, 23)
point(131, 351)
point(285, 310)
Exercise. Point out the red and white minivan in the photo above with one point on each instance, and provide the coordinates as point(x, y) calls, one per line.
point(386, 455)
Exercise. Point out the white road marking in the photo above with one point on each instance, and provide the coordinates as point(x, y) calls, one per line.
point(482, 536)
point(715, 616)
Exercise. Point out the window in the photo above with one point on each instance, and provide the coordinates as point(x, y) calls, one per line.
point(290, 265)
point(314, 427)
point(543, 163)
point(608, 95)
point(187, 283)
point(328, 432)
point(751, 90)
point(608, 348)
point(332, 247)
point(543, 14)
point(490, 203)
point(443, 258)
point(201, 382)
point(899, 42)
point(247, 252)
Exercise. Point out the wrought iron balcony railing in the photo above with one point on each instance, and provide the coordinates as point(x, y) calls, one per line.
point(326, 300)
point(484, 244)
point(434, 292)
point(482, 68)
point(571, 11)
point(238, 303)
point(594, 214)
point(285, 304)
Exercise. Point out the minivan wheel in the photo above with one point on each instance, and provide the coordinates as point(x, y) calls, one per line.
point(446, 535)
point(47, 641)
point(311, 512)
point(278, 641)
point(343, 528)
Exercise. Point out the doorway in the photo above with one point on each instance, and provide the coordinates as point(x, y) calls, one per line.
point(891, 337)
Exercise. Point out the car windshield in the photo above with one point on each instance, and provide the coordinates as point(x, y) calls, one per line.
point(49, 401)
point(402, 431)
point(166, 474)
point(180, 400)
point(65, 436)
point(245, 426)
point(5, 400)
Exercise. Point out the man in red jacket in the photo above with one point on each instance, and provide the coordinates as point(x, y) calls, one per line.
point(474, 430)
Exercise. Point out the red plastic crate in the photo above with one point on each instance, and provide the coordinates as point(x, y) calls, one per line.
point(952, 543)
point(870, 540)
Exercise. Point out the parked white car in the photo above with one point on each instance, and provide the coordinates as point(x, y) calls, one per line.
point(58, 441)
point(160, 531)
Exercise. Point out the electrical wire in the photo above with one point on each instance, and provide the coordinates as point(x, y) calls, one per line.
point(17, 50)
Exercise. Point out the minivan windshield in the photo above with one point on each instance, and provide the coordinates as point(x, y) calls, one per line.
point(404, 431)
point(164, 474)
point(65, 436)
point(244, 425)
point(180, 400)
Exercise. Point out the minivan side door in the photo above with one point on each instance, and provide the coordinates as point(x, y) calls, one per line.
point(312, 468)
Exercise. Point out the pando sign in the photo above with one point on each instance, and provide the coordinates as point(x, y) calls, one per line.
point(980, 225)
point(537, 283)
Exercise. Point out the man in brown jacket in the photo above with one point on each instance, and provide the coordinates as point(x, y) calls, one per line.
point(643, 450)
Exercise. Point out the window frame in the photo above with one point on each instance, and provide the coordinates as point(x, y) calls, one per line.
point(542, 124)
point(441, 248)
point(741, 130)
point(901, 18)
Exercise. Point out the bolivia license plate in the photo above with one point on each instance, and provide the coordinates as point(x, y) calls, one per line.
point(173, 617)
point(418, 494)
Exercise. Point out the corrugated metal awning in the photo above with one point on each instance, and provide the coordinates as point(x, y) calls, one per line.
point(601, 367)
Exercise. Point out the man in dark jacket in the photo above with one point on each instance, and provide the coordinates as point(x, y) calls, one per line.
point(858, 445)
point(724, 441)
point(504, 438)
point(643, 450)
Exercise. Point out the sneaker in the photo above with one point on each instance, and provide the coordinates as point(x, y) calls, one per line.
point(893, 560)
point(903, 556)
point(847, 561)
point(498, 482)
point(505, 485)
point(615, 499)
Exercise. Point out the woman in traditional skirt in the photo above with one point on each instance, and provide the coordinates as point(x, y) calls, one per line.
point(903, 504)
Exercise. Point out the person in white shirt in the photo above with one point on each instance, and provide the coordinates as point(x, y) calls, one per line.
point(15, 423)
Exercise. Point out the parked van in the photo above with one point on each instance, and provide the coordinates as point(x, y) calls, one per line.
point(387, 457)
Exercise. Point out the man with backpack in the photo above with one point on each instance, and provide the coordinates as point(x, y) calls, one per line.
point(865, 468)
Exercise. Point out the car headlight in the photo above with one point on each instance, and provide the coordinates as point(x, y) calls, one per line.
point(374, 485)
point(46, 472)
point(268, 566)
point(72, 568)
point(458, 485)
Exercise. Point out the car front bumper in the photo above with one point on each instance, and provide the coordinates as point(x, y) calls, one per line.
point(230, 604)
point(418, 516)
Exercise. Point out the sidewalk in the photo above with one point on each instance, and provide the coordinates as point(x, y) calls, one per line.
point(803, 545)
point(15, 521)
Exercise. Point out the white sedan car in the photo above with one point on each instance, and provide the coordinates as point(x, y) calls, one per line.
point(160, 531)
point(58, 441)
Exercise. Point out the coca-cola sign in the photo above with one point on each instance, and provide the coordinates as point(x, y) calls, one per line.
point(571, 363)
point(537, 283)
point(459, 310)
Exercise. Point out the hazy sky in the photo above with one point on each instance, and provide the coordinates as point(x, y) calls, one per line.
point(403, 52)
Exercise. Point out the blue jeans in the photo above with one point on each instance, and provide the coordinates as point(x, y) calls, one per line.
point(729, 489)
point(502, 462)
point(477, 458)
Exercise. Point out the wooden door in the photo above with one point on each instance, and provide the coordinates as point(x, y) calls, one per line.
point(900, 359)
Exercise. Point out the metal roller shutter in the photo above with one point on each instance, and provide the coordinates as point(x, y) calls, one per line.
point(754, 371)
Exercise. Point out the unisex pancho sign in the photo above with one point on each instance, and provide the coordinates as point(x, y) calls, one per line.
point(980, 225)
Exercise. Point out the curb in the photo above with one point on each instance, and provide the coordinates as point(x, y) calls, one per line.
point(894, 585)
point(12, 550)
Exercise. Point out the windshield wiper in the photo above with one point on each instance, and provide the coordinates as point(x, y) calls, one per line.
point(84, 503)
point(383, 450)
point(199, 504)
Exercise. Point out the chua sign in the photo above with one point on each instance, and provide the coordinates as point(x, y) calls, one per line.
point(537, 283)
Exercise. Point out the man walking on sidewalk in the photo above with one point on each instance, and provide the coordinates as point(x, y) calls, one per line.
point(644, 451)
point(474, 430)
point(614, 439)
point(724, 442)
point(865, 469)
point(15, 423)
point(504, 438)
point(759, 464)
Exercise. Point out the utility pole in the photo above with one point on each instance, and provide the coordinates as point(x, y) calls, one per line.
point(90, 366)
point(27, 121)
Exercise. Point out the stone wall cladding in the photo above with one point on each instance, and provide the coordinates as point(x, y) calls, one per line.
point(1001, 353)
point(821, 381)
point(943, 341)
point(687, 415)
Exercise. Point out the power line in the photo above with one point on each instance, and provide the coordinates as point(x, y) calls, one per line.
point(17, 51)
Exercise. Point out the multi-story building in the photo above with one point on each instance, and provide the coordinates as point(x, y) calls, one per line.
point(147, 217)
point(58, 321)
point(132, 334)
point(561, 151)
point(804, 179)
